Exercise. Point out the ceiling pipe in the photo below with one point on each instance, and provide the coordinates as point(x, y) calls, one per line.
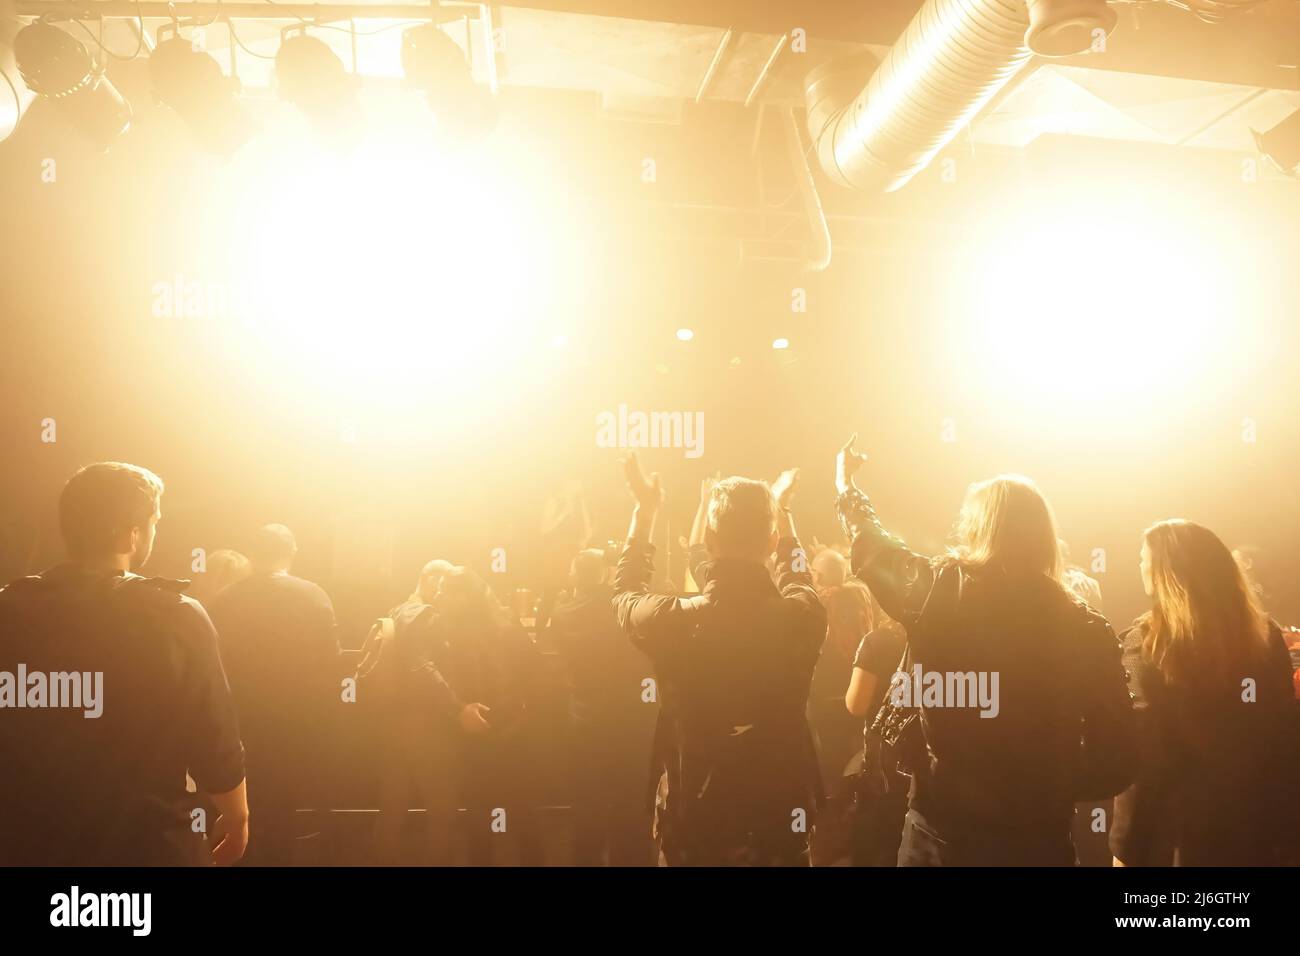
point(819, 256)
point(876, 130)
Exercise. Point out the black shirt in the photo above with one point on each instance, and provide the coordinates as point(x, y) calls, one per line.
point(485, 659)
point(279, 644)
point(879, 654)
point(604, 671)
point(1217, 782)
point(110, 790)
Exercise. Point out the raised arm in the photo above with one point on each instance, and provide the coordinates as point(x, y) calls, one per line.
point(793, 571)
point(899, 578)
point(645, 618)
point(701, 519)
point(697, 553)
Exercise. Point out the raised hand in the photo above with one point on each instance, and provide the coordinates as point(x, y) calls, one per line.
point(706, 486)
point(847, 463)
point(783, 488)
point(648, 492)
point(474, 718)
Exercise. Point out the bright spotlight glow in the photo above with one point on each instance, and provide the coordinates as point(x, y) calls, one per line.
point(685, 335)
point(383, 260)
point(1098, 302)
point(1085, 304)
point(394, 282)
point(781, 344)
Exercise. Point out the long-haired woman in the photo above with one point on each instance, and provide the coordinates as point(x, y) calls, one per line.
point(1019, 686)
point(1211, 682)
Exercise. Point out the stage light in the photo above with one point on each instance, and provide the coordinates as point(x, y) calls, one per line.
point(412, 284)
point(434, 64)
point(1281, 144)
point(685, 335)
point(312, 77)
point(15, 97)
point(59, 68)
point(1099, 306)
point(779, 344)
point(1144, 316)
point(191, 82)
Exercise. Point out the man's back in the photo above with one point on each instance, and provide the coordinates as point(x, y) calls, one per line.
point(110, 789)
point(278, 641)
point(734, 666)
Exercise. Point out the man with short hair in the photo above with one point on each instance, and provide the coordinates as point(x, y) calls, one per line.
point(431, 575)
point(738, 782)
point(278, 639)
point(104, 785)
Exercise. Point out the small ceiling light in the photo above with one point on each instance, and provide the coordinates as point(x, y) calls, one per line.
point(685, 335)
point(190, 81)
point(434, 64)
point(57, 66)
point(780, 343)
point(312, 77)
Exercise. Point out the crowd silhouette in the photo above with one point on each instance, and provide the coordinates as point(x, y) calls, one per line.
point(853, 703)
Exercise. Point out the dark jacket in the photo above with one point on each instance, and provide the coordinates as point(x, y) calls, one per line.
point(488, 661)
point(733, 752)
point(604, 673)
point(1004, 786)
point(1217, 779)
point(419, 691)
point(110, 790)
point(282, 653)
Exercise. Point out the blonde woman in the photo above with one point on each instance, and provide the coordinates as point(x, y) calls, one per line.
point(1211, 681)
point(1019, 687)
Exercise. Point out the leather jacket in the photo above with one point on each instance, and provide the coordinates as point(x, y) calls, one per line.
point(1061, 728)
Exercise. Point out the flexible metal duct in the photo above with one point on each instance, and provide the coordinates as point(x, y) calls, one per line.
point(952, 58)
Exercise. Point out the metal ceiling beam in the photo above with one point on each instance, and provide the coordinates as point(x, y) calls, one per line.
point(1258, 49)
point(1252, 49)
point(202, 9)
point(877, 23)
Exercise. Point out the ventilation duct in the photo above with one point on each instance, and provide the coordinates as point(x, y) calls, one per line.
point(950, 61)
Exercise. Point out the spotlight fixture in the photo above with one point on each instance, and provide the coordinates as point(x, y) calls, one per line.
point(190, 81)
point(14, 95)
point(685, 335)
point(779, 344)
point(434, 64)
point(1281, 144)
point(311, 76)
point(57, 67)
